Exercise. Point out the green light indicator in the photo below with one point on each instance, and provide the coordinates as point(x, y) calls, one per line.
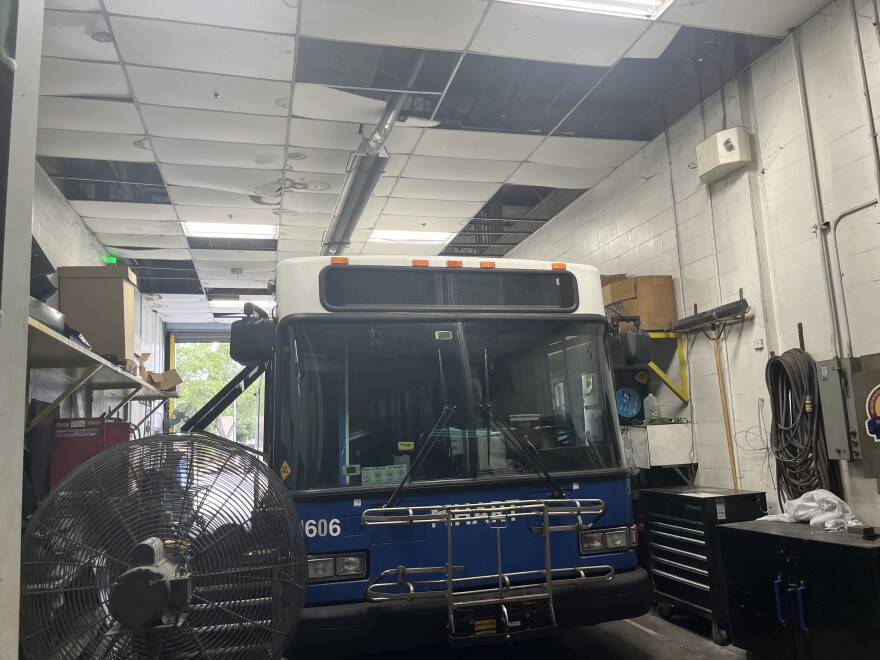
point(108, 259)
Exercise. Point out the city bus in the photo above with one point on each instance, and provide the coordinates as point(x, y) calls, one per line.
point(448, 430)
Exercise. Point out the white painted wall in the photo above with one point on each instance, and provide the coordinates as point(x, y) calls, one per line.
point(752, 230)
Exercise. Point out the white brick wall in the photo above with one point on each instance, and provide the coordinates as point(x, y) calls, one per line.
point(758, 234)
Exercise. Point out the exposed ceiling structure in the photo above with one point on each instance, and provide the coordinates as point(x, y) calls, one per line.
point(203, 141)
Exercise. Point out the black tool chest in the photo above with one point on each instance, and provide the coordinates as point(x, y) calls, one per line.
point(681, 531)
point(797, 591)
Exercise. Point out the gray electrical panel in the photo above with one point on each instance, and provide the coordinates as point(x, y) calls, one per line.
point(850, 393)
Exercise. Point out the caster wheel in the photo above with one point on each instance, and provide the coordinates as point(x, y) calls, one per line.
point(665, 610)
point(720, 635)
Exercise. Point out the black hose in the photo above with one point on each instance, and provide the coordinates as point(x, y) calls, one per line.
point(797, 433)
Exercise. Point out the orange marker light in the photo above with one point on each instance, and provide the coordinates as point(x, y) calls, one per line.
point(487, 264)
point(420, 262)
point(453, 264)
point(558, 266)
point(339, 260)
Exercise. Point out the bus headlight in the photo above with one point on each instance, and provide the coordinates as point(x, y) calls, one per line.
point(350, 565)
point(337, 567)
point(609, 540)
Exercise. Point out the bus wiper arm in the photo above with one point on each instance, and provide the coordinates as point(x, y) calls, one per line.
point(439, 425)
point(519, 447)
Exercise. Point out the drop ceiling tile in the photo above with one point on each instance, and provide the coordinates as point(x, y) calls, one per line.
point(128, 226)
point(556, 35)
point(222, 127)
point(223, 269)
point(466, 191)
point(385, 186)
point(207, 197)
point(69, 34)
point(142, 241)
point(394, 166)
point(227, 179)
point(260, 15)
point(374, 206)
point(73, 78)
point(89, 115)
point(187, 89)
point(231, 283)
point(324, 134)
point(585, 152)
point(477, 144)
point(402, 139)
point(416, 223)
point(227, 214)
point(150, 253)
point(415, 250)
point(654, 41)
point(446, 25)
point(308, 159)
point(296, 255)
point(312, 101)
point(305, 202)
point(233, 257)
point(123, 210)
point(459, 169)
point(317, 182)
point(553, 176)
point(97, 146)
point(204, 48)
point(74, 5)
point(432, 208)
point(312, 246)
point(302, 233)
point(748, 16)
point(217, 154)
point(297, 219)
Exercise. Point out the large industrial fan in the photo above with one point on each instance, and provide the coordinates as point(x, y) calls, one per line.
point(172, 547)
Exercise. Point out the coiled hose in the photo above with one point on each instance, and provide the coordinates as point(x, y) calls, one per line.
point(797, 433)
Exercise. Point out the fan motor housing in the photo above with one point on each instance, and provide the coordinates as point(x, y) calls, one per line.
point(153, 590)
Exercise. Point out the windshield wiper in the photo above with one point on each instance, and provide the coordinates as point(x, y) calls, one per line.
point(521, 450)
point(439, 425)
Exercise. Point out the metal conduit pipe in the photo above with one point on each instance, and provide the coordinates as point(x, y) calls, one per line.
point(866, 92)
point(838, 270)
point(365, 167)
point(830, 301)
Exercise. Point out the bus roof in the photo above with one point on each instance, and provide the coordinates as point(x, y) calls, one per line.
point(297, 283)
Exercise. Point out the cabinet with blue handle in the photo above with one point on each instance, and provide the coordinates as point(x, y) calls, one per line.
point(795, 591)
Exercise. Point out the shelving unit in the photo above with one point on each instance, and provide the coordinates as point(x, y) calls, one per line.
point(50, 350)
point(681, 389)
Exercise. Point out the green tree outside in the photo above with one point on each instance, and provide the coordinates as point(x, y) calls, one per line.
point(205, 368)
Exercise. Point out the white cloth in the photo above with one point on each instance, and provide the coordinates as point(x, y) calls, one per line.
point(820, 508)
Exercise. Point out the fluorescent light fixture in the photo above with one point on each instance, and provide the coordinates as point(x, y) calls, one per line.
point(239, 304)
point(646, 9)
point(229, 230)
point(411, 237)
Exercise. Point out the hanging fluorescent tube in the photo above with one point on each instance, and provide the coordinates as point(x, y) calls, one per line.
point(644, 9)
point(411, 237)
point(229, 230)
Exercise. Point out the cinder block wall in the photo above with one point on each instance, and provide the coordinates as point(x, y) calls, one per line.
point(753, 230)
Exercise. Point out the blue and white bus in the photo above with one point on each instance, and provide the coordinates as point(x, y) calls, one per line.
point(448, 431)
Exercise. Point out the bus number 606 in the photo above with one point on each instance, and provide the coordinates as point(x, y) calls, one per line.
point(322, 527)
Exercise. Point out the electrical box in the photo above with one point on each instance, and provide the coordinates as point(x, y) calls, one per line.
point(850, 392)
point(723, 153)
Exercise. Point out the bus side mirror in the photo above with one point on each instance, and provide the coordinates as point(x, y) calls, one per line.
point(252, 340)
point(635, 348)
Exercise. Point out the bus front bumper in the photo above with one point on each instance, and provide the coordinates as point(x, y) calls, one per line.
point(357, 628)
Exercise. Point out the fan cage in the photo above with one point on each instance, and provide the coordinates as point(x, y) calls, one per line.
point(213, 503)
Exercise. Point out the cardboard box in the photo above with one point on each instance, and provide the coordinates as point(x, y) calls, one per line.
point(650, 297)
point(165, 380)
point(141, 359)
point(99, 302)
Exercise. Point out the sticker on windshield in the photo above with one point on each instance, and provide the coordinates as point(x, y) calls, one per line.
point(406, 446)
point(284, 470)
point(386, 474)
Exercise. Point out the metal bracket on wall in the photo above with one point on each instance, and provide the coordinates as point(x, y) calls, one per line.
point(68, 391)
point(680, 390)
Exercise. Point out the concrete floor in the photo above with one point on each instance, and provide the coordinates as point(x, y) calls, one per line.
point(646, 638)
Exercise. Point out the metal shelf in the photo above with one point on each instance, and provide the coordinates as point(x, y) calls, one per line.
point(48, 349)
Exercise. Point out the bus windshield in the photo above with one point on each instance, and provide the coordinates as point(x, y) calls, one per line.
point(366, 396)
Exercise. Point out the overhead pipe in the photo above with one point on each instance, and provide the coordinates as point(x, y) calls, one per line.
point(365, 168)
